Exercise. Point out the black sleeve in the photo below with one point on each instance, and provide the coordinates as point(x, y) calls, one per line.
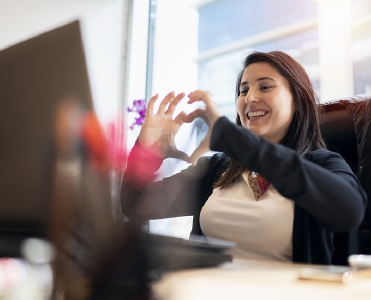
point(322, 183)
point(181, 194)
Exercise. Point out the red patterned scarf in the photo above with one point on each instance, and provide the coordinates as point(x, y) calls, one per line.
point(258, 184)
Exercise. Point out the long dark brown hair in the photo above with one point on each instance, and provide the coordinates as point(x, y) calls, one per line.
point(304, 133)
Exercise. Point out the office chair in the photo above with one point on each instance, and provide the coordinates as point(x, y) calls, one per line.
point(346, 128)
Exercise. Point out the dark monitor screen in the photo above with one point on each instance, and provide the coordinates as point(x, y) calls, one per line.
point(35, 75)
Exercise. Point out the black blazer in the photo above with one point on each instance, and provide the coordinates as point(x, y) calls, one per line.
point(329, 201)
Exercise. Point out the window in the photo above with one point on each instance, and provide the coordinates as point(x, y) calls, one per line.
point(200, 44)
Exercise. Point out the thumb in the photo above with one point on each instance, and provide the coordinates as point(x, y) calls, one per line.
point(175, 153)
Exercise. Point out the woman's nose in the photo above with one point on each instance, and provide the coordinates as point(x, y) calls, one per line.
point(251, 97)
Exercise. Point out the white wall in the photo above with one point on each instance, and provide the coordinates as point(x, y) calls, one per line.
point(102, 26)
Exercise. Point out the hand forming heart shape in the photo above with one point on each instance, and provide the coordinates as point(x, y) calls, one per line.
point(160, 128)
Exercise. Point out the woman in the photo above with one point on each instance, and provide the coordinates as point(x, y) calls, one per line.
point(274, 188)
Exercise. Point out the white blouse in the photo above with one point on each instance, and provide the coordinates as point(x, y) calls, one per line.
point(262, 229)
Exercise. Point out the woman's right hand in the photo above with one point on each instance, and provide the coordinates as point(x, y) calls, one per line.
point(160, 128)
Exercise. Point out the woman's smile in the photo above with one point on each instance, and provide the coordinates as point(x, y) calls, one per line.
point(255, 115)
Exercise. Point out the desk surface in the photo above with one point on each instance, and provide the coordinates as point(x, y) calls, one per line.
point(243, 279)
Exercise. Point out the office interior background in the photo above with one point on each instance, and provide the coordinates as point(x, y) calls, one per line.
point(200, 44)
point(136, 48)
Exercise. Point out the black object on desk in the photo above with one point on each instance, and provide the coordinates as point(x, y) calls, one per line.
point(173, 253)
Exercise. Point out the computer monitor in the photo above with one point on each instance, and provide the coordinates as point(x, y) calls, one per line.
point(35, 75)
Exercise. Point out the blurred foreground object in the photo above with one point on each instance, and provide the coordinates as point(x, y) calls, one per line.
point(55, 166)
point(21, 280)
point(96, 257)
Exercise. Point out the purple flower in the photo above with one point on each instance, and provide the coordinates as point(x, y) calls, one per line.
point(139, 107)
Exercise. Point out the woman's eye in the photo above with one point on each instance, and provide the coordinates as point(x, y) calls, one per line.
point(265, 87)
point(243, 92)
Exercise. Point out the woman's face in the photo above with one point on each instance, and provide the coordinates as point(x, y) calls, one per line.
point(265, 105)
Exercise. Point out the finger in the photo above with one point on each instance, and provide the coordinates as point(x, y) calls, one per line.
point(150, 104)
point(165, 102)
point(174, 102)
point(198, 113)
point(190, 117)
point(199, 95)
point(175, 153)
point(180, 118)
point(211, 110)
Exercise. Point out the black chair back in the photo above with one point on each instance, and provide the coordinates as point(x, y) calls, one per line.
point(346, 128)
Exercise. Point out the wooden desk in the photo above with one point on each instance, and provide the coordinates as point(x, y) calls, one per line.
point(242, 279)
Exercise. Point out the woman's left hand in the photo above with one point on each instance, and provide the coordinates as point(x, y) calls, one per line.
point(210, 114)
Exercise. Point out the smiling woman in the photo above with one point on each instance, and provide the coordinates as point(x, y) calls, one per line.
point(273, 188)
point(280, 85)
